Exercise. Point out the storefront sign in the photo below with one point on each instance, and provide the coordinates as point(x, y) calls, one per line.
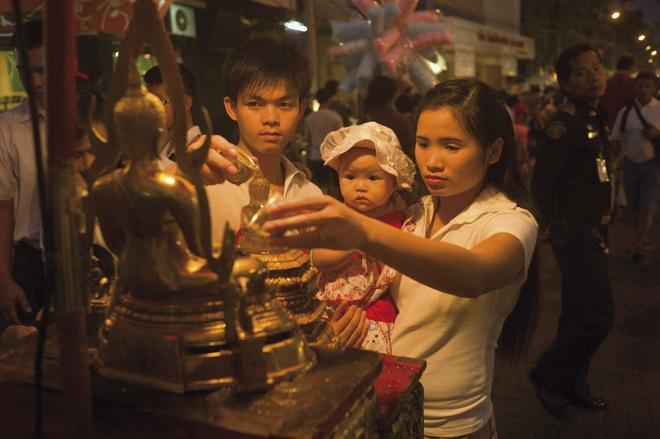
point(519, 45)
point(484, 39)
point(111, 16)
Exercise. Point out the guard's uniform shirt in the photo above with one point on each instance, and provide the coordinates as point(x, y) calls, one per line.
point(571, 178)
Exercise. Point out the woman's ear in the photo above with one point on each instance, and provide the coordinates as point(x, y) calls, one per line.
point(495, 151)
point(230, 108)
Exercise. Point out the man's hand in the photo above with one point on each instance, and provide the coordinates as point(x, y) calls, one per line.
point(10, 295)
point(218, 161)
point(350, 324)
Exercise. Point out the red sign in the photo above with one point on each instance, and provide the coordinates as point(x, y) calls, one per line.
point(111, 16)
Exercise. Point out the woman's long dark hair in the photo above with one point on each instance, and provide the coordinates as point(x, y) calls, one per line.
point(482, 114)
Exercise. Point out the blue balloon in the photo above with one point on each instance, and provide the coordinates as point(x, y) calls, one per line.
point(350, 30)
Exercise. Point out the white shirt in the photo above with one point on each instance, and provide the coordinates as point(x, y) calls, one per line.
point(319, 124)
point(635, 147)
point(226, 200)
point(18, 171)
point(457, 336)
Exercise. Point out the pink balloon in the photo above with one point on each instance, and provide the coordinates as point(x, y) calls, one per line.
point(393, 58)
point(407, 8)
point(385, 42)
point(426, 16)
point(336, 52)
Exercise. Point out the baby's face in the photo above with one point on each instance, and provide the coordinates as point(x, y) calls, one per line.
point(364, 185)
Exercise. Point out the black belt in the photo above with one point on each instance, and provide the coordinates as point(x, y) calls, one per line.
point(27, 246)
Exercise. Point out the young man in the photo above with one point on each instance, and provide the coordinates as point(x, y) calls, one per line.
point(22, 270)
point(153, 79)
point(636, 126)
point(571, 188)
point(267, 81)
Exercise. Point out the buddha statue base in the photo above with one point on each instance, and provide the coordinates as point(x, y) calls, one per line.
point(270, 344)
point(176, 347)
point(293, 279)
point(186, 347)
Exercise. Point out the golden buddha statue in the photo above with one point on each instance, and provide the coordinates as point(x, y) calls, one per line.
point(148, 216)
point(290, 273)
point(166, 325)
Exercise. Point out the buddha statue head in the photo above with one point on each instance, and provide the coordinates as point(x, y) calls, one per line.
point(140, 122)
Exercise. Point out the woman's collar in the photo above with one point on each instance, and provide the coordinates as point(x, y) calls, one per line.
point(490, 198)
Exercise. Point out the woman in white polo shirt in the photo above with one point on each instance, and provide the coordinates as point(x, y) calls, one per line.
point(465, 264)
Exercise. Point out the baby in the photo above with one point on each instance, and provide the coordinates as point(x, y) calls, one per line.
point(371, 168)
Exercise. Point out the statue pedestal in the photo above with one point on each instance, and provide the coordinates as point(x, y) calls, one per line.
point(350, 394)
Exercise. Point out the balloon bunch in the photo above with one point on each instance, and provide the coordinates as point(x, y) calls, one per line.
point(394, 37)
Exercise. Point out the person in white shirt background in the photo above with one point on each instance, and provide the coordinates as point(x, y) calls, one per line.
point(464, 269)
point(641, 165)
point(22, 268)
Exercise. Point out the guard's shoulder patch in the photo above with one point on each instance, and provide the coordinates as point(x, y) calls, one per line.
point(556, 129)
point(568, 108)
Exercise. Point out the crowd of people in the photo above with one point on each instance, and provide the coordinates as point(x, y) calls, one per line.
point(427, 249)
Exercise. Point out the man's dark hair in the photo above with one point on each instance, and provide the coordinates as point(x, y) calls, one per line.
point(323, 95)
point(648, 75)
point(625, 62)
point(155, 77)
point(332, 85)
point(266, 59)
point(563, 65)
point(33, 35)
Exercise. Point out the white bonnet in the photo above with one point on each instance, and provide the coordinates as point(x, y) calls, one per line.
point(388, 150)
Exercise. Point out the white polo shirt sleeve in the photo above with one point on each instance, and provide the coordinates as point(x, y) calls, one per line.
point(520, 224)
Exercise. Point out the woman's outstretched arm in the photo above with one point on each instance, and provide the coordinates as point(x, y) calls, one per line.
point(493, 263)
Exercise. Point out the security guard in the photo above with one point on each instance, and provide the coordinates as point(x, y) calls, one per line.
point(572, 191)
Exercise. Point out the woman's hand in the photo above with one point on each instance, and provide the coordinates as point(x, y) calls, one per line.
point(350, 324)
point(321, 222)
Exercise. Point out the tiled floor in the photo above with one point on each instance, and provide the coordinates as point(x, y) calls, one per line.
point(626, 369)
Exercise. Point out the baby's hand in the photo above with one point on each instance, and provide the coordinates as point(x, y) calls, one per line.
point(350, 324)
